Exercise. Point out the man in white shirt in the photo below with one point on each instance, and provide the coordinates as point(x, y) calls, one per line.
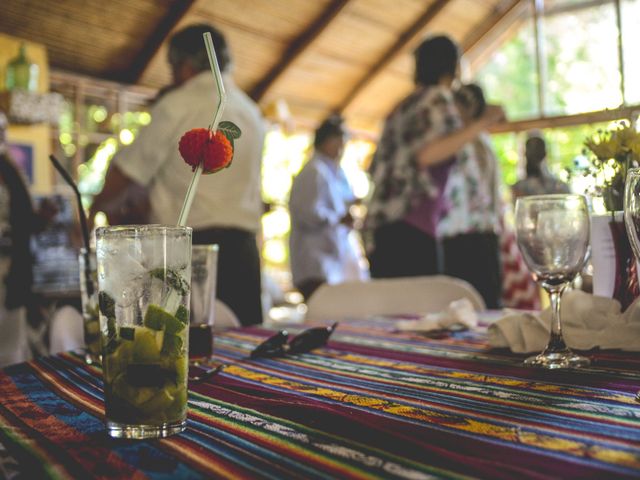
point(321, 249)
point(227, 206)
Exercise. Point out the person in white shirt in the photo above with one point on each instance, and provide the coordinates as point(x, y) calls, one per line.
point(321, 247)
point(227, 206)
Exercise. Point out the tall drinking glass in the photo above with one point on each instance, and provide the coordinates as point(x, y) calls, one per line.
point(144, 277)
point(632, 209)
point(553, 236)
point(204, 269)
point(90, 314)
point(632, 214)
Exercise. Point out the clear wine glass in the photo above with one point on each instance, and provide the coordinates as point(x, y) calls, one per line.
point(632, 209)
point(632, 214)
point(553, 236)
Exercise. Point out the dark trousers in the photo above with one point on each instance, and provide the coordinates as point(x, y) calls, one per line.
point(475, 257)
point(308, 287)
point(402, 250)
point(238, 282)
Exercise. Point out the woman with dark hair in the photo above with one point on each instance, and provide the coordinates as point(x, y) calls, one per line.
point(17, 222)
point(422, 137)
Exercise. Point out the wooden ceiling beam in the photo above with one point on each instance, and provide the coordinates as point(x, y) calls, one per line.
point(494, 18)
point(297, 47)
point(627, 112)
point(396, 49)
point(150, 47)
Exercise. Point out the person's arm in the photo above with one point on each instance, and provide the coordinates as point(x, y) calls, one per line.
point(133, 168)
point(443, 148)
point(112, 196)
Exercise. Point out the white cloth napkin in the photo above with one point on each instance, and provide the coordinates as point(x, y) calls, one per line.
point(588, 321)
point(459, 312)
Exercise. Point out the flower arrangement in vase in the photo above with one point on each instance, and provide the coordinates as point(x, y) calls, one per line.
point(612, 153)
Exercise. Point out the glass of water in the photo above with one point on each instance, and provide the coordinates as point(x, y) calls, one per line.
point(204, 269)
point(553, 236)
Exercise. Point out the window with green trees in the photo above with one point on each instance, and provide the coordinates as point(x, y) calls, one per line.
point(580, 45)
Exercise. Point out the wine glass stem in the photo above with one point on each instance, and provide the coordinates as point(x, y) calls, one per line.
point(556, 342)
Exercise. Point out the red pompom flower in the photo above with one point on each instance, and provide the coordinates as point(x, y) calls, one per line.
point(213, 150)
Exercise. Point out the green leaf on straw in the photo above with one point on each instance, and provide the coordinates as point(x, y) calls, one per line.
point(230, 130)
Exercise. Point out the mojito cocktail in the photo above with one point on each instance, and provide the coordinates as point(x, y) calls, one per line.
point(144, 276)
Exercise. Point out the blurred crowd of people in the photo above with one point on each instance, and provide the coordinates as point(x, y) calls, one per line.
point(437, 204)
point(436, 207)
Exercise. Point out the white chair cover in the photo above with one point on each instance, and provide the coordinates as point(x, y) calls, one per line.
point(393, 296)
point(14, 342)
point(65, 330)
point(224, 317)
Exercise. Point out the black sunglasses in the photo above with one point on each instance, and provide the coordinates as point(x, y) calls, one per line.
point(274, 346)
point(279, 344)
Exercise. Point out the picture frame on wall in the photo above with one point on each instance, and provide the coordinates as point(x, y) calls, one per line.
point(23, 156)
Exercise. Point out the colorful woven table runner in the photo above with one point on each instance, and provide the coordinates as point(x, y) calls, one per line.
point(371, 404)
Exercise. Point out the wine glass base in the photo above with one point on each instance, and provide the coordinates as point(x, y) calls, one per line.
point(565, 359)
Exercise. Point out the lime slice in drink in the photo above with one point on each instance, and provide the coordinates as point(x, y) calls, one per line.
point(176, 409)
point(93, 327)
point(117, 361)
point(146, 345)
point(159, 319)
point(158, 402)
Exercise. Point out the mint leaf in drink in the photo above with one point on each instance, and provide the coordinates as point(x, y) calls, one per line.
point(172, 278)
point(107, 305)
point(112, 344)
point(127, 333)
point(171, 345)
point(182, 314)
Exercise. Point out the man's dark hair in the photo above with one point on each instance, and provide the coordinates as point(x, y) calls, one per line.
point(535, 152)
point(471, 97)
point(436, 57)
point(188, 45)
point(331, 127)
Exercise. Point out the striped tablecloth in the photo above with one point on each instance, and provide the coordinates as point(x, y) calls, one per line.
point(373, 403)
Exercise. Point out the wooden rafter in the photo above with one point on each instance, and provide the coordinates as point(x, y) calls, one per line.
point(176, 12)
point(297, 47)
point(627, 112)
point(486, 25)
point(396, 49)
point(477, 50)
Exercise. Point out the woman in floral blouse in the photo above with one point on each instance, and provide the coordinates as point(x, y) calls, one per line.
point(423, 136)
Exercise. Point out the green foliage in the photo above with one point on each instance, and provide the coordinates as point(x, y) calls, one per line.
point(510, 78)
point(506, 146)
